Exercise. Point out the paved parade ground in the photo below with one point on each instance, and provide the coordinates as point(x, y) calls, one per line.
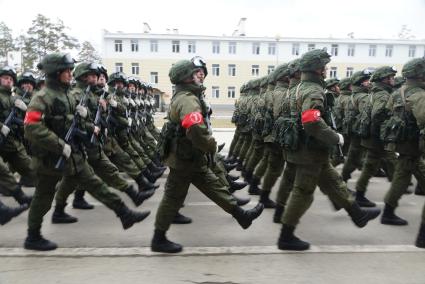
point(216, 249)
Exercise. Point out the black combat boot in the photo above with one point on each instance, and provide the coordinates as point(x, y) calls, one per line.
point(79, 201)
point(232, 177)
point(419, 190)
point(253, 186)
point(236, 185)
point(61, 217)
point(231, 159)
point(363, 201)
point(278, 212)
point(360, 216)
point(380, 173)
point(220, 147)
point(7, 213)
point(181, 219)
point(230, 167)
point(390, 218)
point(420, 240)
point(138, 196)
point(26, 181)
point(35, 241)
point(245, 217)
point(144, 184)
point(248, 176)
point(288, 241)
point(239, 167)
point(241, 201)
point(160, 243)
point(129, 217)
point(151, 177)
point(265, 199)
point(157, 170)
point(21, 197)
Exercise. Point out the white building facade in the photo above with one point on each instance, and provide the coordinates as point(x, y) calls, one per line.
point(233, 60)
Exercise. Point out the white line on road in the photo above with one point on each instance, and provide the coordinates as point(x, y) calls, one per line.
point(206, 251)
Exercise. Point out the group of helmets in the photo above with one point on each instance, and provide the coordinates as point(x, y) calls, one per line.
point(25, 77)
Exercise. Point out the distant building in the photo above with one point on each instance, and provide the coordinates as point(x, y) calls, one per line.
point(233, 60)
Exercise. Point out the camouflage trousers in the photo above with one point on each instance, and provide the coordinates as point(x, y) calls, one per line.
point(405, 167)
point(8, 182)
point(371, 164)
point(235, 140)
point(307, 177)
point(177, 186)
point(273, 166)
point(354, 158)
point(121, 159)
point(256, 155)
point(245, 143)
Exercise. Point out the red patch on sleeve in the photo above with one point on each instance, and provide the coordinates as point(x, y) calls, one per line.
point(192, 119)
point(311, 115)
point(32, 117)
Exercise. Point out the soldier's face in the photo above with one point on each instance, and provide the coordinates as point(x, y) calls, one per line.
point(131, 88)
point(119, 85)
point(6, 81)
point(65, 77)
point(91, 79)
point(101, 81)
point(366, 83)
point(199, 77)
point(27, 87)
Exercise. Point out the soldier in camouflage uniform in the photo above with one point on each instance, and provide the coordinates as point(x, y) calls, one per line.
point(312, 156)
point(360, 89)
point(50, 114)
point(405, 139)
point(86, 75)
point(189, 152)
point(376, 112)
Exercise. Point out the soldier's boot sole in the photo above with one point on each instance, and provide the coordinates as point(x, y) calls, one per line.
point(40, 244)
point(63, 218)
point(132, 218)
point(9, 213)
point(294, 244)
point(166, 247)
point(393, 220)
point(367, 215)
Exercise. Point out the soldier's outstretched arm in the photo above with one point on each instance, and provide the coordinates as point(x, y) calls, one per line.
point(37, 132)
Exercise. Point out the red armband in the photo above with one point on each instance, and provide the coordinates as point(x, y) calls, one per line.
point(192, 119)
point(311, 115)
point(32, 117)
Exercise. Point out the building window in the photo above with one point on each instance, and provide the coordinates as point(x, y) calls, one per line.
point(118, 45)
point(154, 77)
point(216, 47)
point(350, 50)
point(191, 47)
point(255, 70)
point(349, 72)
point(295, 49)
point(334, 50)
point(232, 70)
point(272, 48)
point(135, 68)
point(134, 45)
point(412, 50)
point(232, 47)
point(176, 46)
point(311, 46)
point(372, 50)
point(215, 92)
point(332, 72)
point(231, 91)
point(119, 67)
point(389, 51)
point(216, 69)
point(154, 46)
point(255, 48)
point(270, 69)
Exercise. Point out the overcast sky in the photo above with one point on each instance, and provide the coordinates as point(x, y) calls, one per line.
point(303, 18)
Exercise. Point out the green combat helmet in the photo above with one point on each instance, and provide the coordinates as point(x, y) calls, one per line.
point(56, 62)
point(264, 81)
point(281, 72)
point(184, 69)
point(360, 76)
point(27, 77)
point(294, 67)
point(7, 70)
point(414, 68)
point(85, 68)
point(117, 76)
point(382, 73)
point(331, 82)
point(314, 60)
point(345, 83)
